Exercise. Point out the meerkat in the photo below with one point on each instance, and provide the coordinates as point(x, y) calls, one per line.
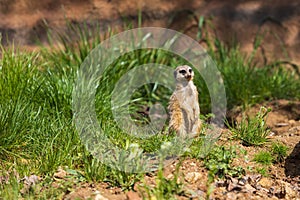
point(184, 107)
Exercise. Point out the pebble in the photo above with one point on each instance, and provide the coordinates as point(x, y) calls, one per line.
point(60, 173)
point(249, 188)
point(31, 180)
point(281, 124)
point(170, 176)
point(231, 186)
point(242, 181)
point(221, 183)
point(98, 196)
point(130, 195)
point(292, 122)
point(253, 179)
point(193, 177)
point(290, 193)
point(265, 182)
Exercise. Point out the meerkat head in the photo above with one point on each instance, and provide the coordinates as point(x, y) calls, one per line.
point(183, 73)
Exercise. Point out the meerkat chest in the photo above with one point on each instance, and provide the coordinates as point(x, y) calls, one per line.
point(188, 96)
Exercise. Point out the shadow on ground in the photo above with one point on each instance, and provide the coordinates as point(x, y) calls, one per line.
point(292, 162)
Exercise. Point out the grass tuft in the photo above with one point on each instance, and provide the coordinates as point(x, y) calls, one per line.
point(263, 157)
point(219, 163)
point(279, 152)
point(252, 131)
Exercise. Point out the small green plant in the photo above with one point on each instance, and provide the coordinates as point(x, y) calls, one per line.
point(219, 162)
point(252, 131)
point(263, 157)
point(165, 188)
point(279, 152)
point(122, 179)
point(262, 170)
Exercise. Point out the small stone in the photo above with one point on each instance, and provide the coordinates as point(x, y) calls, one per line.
point(221, 183)
point(272, 134)
point(232, 186)
point(257, 186)
point(253, 179)
point(281, 124)
point(131, 195)
point(232, 180)
point(98, 196)
point(272, 190)
point(248, 188)
point(31, 180)
point(292, 122)
point(170, 176)
point(60, 173)
point(242, 181)
point(193, 177)
point(265, 182)
point(290, 193)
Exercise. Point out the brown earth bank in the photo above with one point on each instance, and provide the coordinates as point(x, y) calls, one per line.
point(233, 21)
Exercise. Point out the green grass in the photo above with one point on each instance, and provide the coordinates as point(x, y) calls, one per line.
point(252, 130)
point(219, 162)
point(279, 151)
point(276, 154)
point(165, 188)
point(263, 171)
point(37, 134)
point(263, 157)
point(248, 83)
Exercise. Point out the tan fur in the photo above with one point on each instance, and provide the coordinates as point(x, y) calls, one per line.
point(183, 106)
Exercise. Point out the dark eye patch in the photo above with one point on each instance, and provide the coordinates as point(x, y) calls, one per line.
point(182, 71)
point(190, 70)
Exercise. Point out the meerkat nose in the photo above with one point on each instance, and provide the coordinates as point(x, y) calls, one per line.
point(189, 77)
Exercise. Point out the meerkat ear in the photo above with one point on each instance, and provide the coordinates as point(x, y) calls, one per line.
point(175, 74)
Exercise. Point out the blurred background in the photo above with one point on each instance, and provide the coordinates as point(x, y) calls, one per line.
point(234, 22)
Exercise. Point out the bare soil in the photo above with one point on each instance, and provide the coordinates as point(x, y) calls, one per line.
point(281, 182)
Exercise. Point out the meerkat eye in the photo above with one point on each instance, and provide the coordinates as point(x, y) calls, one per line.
point(182, 71)
point(190, 70)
